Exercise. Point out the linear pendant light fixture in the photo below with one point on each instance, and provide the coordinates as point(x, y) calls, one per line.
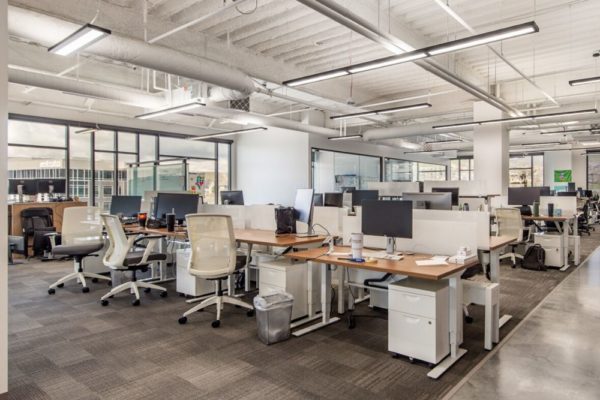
point(382, 111)
point(455, 45)
point(349, 137)
point(80, 39)
point(589, 130)
point(585, 81)
point(228, 133)
point(527, 118)
point(171, 110)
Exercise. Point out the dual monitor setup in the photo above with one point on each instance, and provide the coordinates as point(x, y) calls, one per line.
point(179, 204)
point(33, 187)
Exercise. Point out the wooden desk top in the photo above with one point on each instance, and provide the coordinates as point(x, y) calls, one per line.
point(253, 236)
point(406, 266)
point(497, 242)
point(268, 238)
point(545, 218)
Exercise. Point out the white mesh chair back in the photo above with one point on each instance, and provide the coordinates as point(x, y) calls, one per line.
point(213, 248)
point(119, 245)
point(81, 225)
point(509, 222)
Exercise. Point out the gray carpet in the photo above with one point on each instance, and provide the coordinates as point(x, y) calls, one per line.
point(67, 346)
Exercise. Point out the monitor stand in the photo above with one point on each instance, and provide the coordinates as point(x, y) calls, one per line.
point(310, 233)
point(525, 210)
point(390, 246)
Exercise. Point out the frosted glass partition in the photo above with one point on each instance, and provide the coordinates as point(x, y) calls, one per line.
point(140, 179)
point(334, 170)
point(171, 177)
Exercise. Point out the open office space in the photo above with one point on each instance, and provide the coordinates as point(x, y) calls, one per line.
point(299, 199)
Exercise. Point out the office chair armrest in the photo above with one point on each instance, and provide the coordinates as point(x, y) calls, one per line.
point(52, 236)
point(149, 247)
point(150, 238)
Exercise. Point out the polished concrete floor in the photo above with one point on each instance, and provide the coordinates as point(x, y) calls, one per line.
point(555, 353)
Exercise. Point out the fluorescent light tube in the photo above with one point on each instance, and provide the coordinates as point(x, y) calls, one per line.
point(461, 125)
point(382, 111)
point(349, 137)
point(386, 62)
point(88, 130)
point(565, 132)
point(170, 110)
point(80, 39)
point(584, 81)
point(484, 38)
point(445, 141)
point(541, 144)
point(229, 133)
point(316, 78)
point(590, 143)
point(355, 115)
point(561, 114)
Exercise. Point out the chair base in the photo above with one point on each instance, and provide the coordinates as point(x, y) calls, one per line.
point(80, 277)
point(133, 287)
point(219, 301)
point(513, 257)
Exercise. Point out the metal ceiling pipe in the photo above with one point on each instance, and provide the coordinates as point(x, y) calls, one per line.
point(47, 31)
point(352, 21)
point(89, 89)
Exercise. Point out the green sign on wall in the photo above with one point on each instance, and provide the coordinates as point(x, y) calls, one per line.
point(563, 175)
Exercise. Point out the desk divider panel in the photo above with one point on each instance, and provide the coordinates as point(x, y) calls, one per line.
point(568, 204)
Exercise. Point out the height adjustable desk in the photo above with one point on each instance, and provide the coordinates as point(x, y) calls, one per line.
point(407, 266)
point(563, 221)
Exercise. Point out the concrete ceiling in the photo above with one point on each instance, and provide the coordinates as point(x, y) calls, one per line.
point(275, 40)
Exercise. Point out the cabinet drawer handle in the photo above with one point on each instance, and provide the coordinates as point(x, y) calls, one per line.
point(413, 321)
point(412, 298)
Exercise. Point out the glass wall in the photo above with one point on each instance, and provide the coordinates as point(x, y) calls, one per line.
point(333, 171)
point(429, 172)
point(462, 169)
point(398, 170)
point(593, 171)
point(97, 164)
point(526, 170)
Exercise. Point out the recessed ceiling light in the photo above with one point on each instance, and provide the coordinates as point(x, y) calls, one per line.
point(80, 39)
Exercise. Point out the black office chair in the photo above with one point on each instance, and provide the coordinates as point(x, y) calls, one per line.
point(583, 221)
point(37, 223)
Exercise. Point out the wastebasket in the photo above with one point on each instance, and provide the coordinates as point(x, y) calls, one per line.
point(273, 316)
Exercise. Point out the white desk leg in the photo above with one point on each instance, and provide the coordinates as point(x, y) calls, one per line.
point(576, 249)
point(341, 287)
point(247, 269)
point(325, 304)
point(495, 278)
point(455, 312)
point(565, 232)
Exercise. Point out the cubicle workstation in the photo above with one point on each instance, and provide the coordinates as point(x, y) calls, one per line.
point(433, 201)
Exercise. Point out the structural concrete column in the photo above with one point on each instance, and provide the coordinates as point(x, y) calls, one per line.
point(490, 150)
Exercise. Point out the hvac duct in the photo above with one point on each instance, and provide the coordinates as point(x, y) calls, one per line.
point(48, 30)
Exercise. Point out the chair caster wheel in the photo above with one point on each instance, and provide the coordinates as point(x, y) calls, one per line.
point(85, 289)
point(135, 302)
point(514, 266)
point(51, 291)
point(60, 285)
point(182, 320)
point(216, 323)
point(95, 280)
point(430, 365)
point(163, 294)
point(469, 320)
point(104, 303)
point(250, 313)
point(147, 290)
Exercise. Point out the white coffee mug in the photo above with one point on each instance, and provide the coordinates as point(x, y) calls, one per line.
point(356, 242)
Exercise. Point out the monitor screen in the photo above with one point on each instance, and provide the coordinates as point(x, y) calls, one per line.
point(232, 197)
point(129, 206)
point(454, 192)
point(434, 201)
point(29, 186)
point(525, 196)
point(318, 199)
point(392, 218)
point(304, 205)
point(348, 188)
point(333, 199)
point(181, 203)
point(358, 196)
point(58, 185)
point(574, 194)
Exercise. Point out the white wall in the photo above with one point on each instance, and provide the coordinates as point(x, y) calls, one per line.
point(3, 205)
point(269, 166)
point(574, 160)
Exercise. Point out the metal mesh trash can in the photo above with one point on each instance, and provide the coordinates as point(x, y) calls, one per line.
point(273, 316)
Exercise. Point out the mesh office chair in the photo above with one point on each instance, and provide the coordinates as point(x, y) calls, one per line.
point(123, 256)
point(510, 224)
point(81, 237)
point(213, 257)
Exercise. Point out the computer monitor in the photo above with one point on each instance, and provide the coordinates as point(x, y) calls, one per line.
point(588, 193)
point(358, 196)
point(526, 196)
point(181, 203)
point(390, 218)
point(348, 188)
point(232, 197)
point(128, 206)
point(452, 190)
point(318, 200)
point(28, 186)
point(333, 199)
point(571, 187)
point(569, 193)
point(304, 208)
point(52, 186)
point(434, 201)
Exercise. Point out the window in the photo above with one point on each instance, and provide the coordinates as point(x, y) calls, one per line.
point(398, 170)
point(430, 172)
point(593, 171)
point(333, 170)
point(526, 170)
point(462, 169)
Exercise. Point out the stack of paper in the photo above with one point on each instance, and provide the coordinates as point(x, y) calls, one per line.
point(435, 260)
